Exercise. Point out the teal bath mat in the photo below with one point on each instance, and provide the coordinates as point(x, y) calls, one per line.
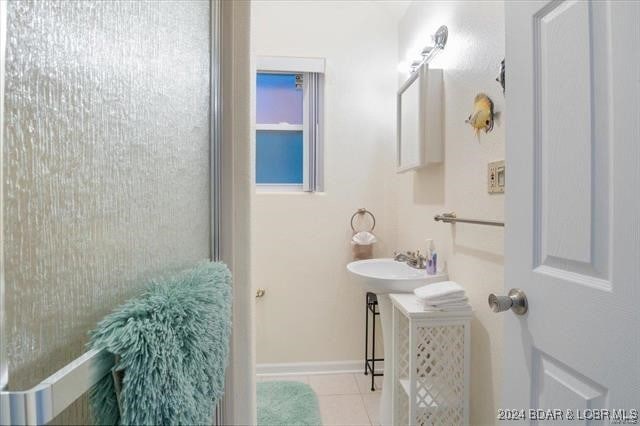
point(287, 404)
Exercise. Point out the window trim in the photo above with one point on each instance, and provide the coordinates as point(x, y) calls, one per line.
point(280, 127)
point(312, 164)
point(287, 64)
point(312, 138)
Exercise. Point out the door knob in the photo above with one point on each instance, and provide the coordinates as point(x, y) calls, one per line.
point(516, 301)
point(260, 292)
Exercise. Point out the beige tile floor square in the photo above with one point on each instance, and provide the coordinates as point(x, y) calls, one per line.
point(344, 399)
point(334, 384)
point(343, 410)
point(372, 405)
point(364, 383)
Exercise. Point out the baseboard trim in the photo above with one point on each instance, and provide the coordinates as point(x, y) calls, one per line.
point(305, 368)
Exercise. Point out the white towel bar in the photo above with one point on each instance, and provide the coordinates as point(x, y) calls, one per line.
point(42, 403)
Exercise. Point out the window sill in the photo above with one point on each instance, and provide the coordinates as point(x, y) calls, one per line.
point(281, 127)
point(283, 189)
point(270, 188)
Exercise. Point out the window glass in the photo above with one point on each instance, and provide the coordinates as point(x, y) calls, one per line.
point(278, 157)
point(279, 98)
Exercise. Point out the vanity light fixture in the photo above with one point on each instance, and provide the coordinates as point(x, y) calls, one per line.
point(441, 36)
point(429, 52)
point(426, 51)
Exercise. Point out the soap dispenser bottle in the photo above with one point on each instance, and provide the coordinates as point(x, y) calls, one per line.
point(432, 258)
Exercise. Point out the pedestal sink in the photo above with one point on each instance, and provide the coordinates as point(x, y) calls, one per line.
point(384, 276)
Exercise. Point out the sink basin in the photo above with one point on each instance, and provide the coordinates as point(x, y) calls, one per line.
point(388, 276)
point(383, 276)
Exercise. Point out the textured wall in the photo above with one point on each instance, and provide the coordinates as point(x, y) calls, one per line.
point(474, 254)
point(105, 161)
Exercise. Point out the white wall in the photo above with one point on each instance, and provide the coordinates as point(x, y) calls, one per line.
point(313, 310)
point(474, 253)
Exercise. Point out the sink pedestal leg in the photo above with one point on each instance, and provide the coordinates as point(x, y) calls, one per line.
point(384, 304)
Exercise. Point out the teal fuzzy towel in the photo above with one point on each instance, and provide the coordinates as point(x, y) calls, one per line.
point(173, 344)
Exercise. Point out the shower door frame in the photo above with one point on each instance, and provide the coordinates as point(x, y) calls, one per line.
point(215, 155)
point(4, 363)
point(231, 83)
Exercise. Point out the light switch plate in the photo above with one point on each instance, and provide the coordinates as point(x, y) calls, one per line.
point(496, 177)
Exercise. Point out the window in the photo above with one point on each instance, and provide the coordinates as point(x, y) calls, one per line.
point(289, 124)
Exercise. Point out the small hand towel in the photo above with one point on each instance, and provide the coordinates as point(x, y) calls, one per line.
point(440, 291)
point(363, 238)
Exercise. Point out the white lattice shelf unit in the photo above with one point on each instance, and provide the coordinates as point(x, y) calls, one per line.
point(431, 355)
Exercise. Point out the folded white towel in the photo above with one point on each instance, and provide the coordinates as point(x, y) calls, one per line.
point(440, 291)
point(456, 295)
point(448, 302)
point(453, 295)
point(447, 308)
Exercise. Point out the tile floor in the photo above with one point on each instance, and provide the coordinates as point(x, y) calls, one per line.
point(345, 399)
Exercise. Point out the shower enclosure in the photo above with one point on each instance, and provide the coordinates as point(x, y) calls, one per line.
point(111, 166)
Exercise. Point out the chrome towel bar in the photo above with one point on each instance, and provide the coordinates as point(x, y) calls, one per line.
point(452, 218)
point(42, 403)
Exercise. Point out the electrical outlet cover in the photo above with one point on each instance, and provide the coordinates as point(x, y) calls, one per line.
point(496, 177)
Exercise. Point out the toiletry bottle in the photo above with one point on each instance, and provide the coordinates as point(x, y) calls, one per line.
point(432, 258)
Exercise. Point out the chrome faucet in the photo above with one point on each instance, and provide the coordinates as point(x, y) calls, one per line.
point(401, 257)
point(413, 259)
point(417, 261)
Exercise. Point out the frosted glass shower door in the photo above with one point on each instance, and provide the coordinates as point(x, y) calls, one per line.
point(106, 176)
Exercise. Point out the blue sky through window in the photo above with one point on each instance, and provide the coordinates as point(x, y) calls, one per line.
point(277, 99)
point(279, 153)
point(278, 157)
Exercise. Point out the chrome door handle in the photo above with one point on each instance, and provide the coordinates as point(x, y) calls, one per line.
point(516, 301)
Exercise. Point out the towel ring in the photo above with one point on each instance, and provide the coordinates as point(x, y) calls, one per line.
point(361, 212)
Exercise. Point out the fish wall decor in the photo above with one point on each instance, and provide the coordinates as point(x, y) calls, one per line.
point(482, 117)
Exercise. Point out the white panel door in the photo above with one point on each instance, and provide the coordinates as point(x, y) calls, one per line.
point(573, 207)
